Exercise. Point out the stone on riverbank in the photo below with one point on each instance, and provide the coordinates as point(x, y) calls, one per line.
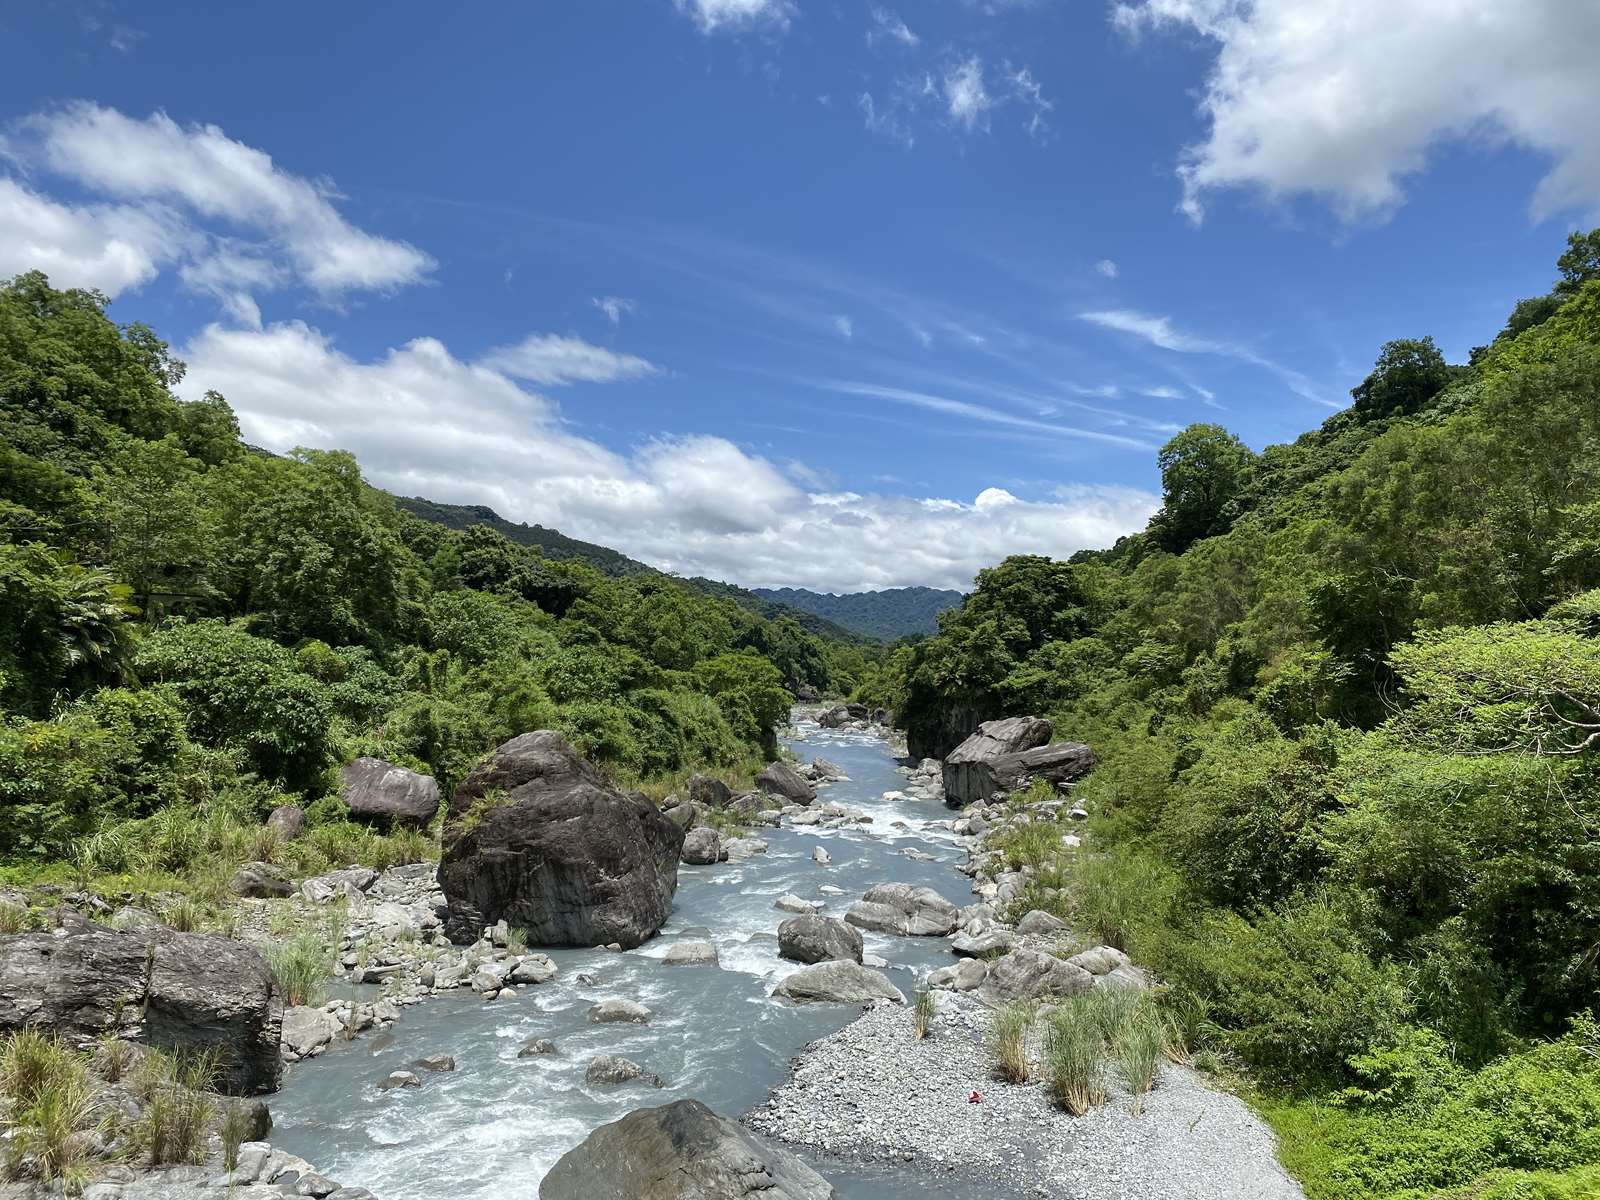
point(838, 982)
point(1029, 974)
point(185, 992)
point(813, 939)
point(680, 1151)
point(1001, 755)
point(383, 794)
point(260, 881)
point(537, 838)
point(708, 791)
point(288, 821)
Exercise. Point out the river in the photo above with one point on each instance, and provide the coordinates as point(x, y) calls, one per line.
point(496, 1125)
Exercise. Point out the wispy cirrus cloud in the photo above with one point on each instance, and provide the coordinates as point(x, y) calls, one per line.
point(551, 359)
point(734, 16)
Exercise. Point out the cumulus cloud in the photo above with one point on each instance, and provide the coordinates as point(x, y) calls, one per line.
point(713, 16)
point(233, 221)
point(551, 359)
point(1107, 268)
point(110, 247)
point(423, 421)
point(1344, 99)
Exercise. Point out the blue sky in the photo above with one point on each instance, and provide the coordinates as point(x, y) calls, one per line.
point(809, 292)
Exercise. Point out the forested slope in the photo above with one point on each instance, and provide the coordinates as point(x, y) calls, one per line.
point(1346, 695)
point(191, 633)
point(889, 614)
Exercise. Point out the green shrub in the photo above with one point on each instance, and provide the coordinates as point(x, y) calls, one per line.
point(301, 966)
point(47, 1085)
point(923, 1011)
point(1009, 1040)
point(178, 1108)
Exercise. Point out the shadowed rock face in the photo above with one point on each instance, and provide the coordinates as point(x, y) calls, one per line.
point(680, 1151)
point(385, 794)
point(1002, 754)
point(535, 837)
point(176, 991)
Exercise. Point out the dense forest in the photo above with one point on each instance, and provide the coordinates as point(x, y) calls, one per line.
point(193, 631)
point(888, 615)
point(1346, 698)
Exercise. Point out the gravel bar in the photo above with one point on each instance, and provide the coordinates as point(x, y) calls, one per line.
point(874, 1093)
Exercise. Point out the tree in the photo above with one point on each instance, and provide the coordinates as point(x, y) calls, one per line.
point(1409, 372)
point(1580, 263)
point(160, 541)
point(1204, 470)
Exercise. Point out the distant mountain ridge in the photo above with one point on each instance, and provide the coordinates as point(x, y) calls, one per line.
point(557, 545)
point(889, 614)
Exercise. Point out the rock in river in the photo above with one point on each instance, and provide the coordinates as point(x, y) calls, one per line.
point(814, 939)
point(702, 847)
point(613, 1069)
point(619, 1012)
point(903, 909)
point(537, 838)
point(178, 991)
point(780, 779)
point(680, 1151)
point(385, 794)
point(839, 982)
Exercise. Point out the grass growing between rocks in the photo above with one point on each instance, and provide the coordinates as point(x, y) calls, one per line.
point(302, 966)
point(46, 1084)
point(923, 1011)
point(178, 1108)
point(1074, 1058)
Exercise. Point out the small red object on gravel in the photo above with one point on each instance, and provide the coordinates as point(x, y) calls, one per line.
point(975, 1098)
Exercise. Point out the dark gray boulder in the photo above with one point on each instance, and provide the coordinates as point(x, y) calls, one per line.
point(261, 881)
point(834, 718)
point(680, 1151)
point(814, 939)
point(703, 846)
point(176, 991)
point(1004, 755)
point(904, 909)
point(708, 791)
point(536, 838)
point(780, 779)
point(288, 821)
point(612, 1069)
point(383, 794)
point(1031, 974)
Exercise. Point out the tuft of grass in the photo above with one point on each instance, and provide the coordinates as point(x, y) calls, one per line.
point(47, 1085)
point(1009, 1039)
point(1139, 1045)
point(517, 941)
point(923, 1010)
point(301, 966)
point(179, 1109)
point(112, 1057)
point(13, 917)
point(185, 914)
point(1073, 1053)
point(233, 1129)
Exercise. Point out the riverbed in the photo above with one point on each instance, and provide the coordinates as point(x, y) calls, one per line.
point(498, 1123)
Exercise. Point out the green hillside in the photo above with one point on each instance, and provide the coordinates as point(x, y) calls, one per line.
point(888, 615)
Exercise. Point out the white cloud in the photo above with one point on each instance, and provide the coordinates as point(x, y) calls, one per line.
point(713, 16)
point(844, 327)
point(1162, 393)
point(551, 359)
point(233, 222)
point(967, 100)
point(887, 24)
point(110, 247)
point(1344, 99)
point(886, 120)
point(1160, 332)
point(1107, 268)
point(981, 413)
point(616, 307)
point(425, 422)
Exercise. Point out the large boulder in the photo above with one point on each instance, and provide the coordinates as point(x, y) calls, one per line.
point(1003, 755)
point(814, 939)
point(901, 908)
point(702, 847)
point(708, 791)
point(838, 981)
point(288, 821)
point(1030, 974)
point(536, 838)
point(780, 779)
point(177, 991)
point(680, 1151)
point(261, 881)
point(384, 794)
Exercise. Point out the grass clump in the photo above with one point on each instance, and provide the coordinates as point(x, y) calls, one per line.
point(517, 941)
point(1074, 1057)
point(178, 1107)
point(47, 1085)
point(233, 1129)
point(13, 917)
point(301, 966)
point(1009, 1040)
point(923, 1011)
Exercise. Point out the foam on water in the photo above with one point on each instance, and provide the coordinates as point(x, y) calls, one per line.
point(497, 1125)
